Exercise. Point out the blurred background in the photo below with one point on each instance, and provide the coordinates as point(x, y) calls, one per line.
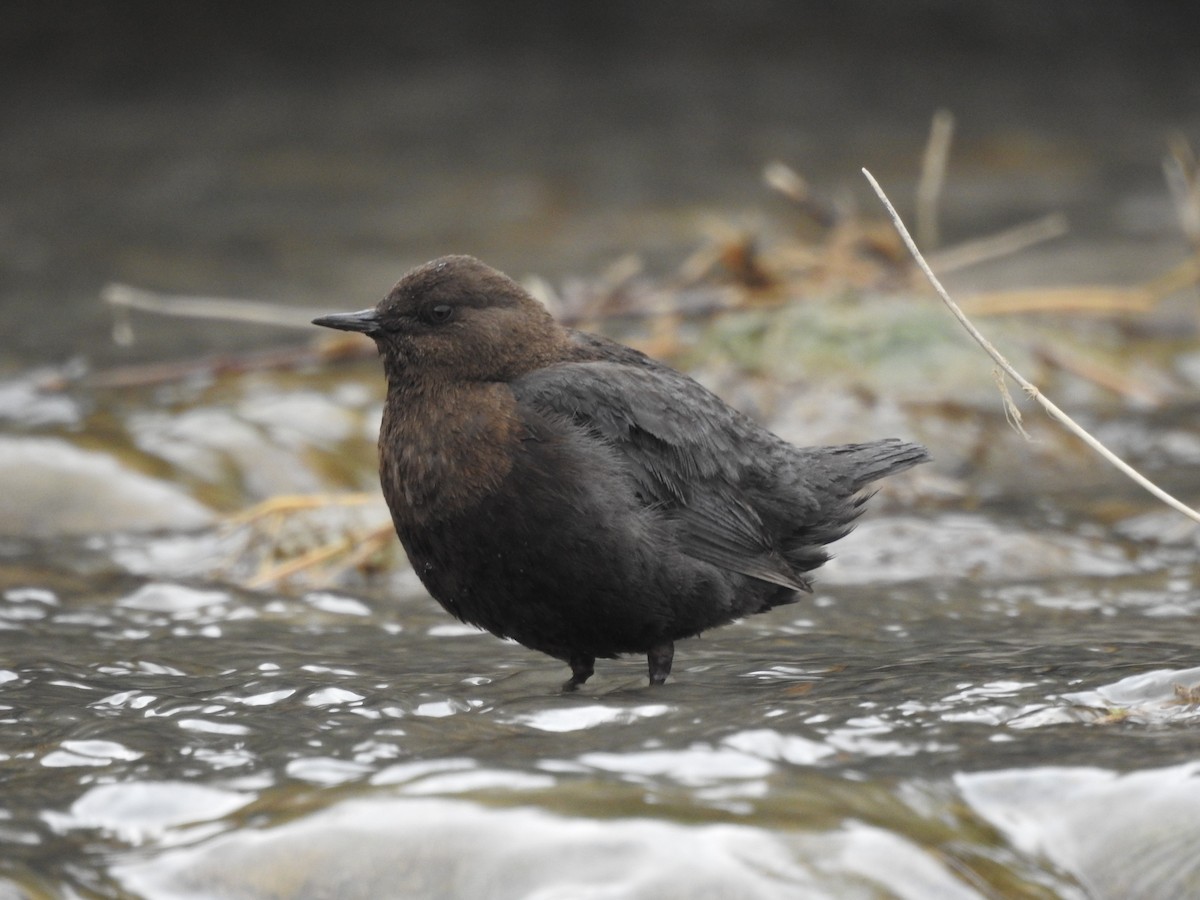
point(218, 675)
point(310, 152)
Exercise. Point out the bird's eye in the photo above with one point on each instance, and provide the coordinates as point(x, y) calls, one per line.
point(438, 314)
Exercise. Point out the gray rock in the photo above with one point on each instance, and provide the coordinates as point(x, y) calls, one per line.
point(50, 487)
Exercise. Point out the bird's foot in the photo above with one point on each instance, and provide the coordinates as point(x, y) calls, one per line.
point(659, 659)
point(582, 668)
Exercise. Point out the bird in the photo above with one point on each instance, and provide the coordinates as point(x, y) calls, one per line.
point(566, 491)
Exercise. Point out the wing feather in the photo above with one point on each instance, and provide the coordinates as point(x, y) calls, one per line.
point(684, 448)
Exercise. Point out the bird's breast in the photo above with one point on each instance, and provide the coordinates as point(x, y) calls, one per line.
point(443, 451)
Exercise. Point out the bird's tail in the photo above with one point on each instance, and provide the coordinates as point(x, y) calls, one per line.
point(851, 467)
point(866, 463)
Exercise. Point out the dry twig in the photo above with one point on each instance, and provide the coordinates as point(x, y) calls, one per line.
point(1029, 388)
point(933, 176)
point(1098, 374)
point(1183, 181)
point(351, 548)
point(291, 503)
point(1094, 299)
point(124, 296)
point(1002, 243)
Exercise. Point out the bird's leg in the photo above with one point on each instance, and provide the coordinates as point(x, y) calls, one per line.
point(582, 668)
point(659, 658)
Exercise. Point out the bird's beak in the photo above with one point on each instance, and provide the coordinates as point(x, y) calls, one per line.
point(365, 321)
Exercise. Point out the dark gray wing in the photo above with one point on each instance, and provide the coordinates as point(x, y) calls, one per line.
point(685, 449)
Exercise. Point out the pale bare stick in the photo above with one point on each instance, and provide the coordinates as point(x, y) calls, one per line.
point(1027, 386)
point(291, 503)
point(1183, 181)
point(933, 176)
point(1003, 243)
point(125, 296)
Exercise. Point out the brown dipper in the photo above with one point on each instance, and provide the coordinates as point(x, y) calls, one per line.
point(569, 492)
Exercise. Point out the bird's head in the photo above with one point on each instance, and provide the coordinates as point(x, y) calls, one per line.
point(457, 318)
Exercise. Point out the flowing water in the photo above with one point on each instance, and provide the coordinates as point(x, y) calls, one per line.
point(984, 697)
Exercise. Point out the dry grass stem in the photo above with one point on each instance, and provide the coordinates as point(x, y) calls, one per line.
point(1183, 180)
point(252, 311)
point(933, 176)
point(1177, 278)
point(1029, 388)
point(150, 374)
point(1011, 411)
point(351, 551)
point(371, 543)
point(1095, 299)
point(783, 178)
point(352, 546)
point(787, 181)
point(1003, 243)
point(290, 503)
point(1098, 374)
point(309, 560)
